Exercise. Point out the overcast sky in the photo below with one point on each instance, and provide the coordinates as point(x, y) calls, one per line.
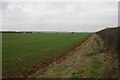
point(59, 16)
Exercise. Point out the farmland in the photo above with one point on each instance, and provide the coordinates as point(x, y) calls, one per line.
point(97, 57)
point(21, 51)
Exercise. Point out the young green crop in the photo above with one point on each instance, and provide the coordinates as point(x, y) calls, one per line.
point(23, 50)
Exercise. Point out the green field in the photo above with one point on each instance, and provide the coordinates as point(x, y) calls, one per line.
point(23, 50)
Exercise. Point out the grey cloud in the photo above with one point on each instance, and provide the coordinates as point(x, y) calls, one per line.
point(59, 16)
point(4, 5)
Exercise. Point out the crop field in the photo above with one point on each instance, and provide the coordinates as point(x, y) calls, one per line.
point(21, 51)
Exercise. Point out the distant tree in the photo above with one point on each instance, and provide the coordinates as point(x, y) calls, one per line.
point(73, 32)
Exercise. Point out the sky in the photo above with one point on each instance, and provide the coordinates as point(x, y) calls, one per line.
point(58, 16)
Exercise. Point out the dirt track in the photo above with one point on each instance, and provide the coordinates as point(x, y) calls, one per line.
point(72, 60)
